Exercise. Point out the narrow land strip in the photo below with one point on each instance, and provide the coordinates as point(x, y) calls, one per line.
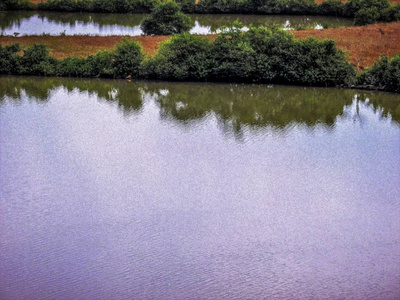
point(364, 44)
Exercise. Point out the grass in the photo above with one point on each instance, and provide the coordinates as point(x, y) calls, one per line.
point(364, 44)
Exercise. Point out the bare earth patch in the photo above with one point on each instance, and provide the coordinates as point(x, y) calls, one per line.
point(81, 46)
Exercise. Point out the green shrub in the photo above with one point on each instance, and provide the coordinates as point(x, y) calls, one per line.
point(281, 59)
point(141, 6)
point(331, 7)
point(187, 6)
point(391, 13)
point(233, 56)
point(65, 5)
point(74, 67)
point(165, 19)
point(371, 11)
point(102, 64)
point(15, 4)
point(260, 55)
point(9, 60)
point(108, 6)
point(367, 16)
point(37, 61)
point(183, 57)
point(384, 74)
point(126, 59)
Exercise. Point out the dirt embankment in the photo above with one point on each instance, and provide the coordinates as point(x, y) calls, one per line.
point(364, 44)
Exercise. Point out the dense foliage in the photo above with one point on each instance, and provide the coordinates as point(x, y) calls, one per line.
point(107, 6)
point(166, 18)
point(384, 74)
point(258, 55)
point(15, 4)
point(9, 60)
point(124, 61)
point(364, 11)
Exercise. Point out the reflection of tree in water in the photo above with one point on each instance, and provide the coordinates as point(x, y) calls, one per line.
point(14, 87)
point(255, 106)
point(128, 20)
point(10, 18)
point(235, 106)
point(14, 18)
point(388, 104)
point(219, 20)
point(127, 95)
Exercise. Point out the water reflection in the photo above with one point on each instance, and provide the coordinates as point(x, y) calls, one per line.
point(235, 106)
point(118, 190)
point(53, 23)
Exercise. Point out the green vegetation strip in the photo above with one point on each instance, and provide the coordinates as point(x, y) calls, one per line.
point(259, 55)
point(363, 11)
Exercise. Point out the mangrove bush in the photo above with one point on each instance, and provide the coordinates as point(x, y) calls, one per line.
point(259, 55)
point(166, 18)
point(384, 75)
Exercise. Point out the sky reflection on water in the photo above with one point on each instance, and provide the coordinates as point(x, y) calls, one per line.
point(110, 189)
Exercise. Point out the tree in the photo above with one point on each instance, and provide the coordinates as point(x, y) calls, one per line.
point(166, 18)
point(127, 58)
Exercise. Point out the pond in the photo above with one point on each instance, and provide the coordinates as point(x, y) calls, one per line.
point(53, 23)
point(159, 190)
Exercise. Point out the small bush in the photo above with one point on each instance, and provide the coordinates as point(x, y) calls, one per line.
point(126, 59)
point(367, 16)
point(233, 56)
point(9, 60)
point(74, 67)
point(15, 4)
point(331, 7)
point(384, 74)
point(165, 19)
point(183, 57)
point(37, 61)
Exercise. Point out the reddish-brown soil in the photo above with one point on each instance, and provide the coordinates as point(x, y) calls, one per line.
point(364, 44)
point(80, 46)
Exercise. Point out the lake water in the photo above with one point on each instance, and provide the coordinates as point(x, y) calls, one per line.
point(53, 23)
point(157, 190)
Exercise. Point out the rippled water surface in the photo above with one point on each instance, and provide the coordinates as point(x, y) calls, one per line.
point(28, 23)
point(123, 190)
